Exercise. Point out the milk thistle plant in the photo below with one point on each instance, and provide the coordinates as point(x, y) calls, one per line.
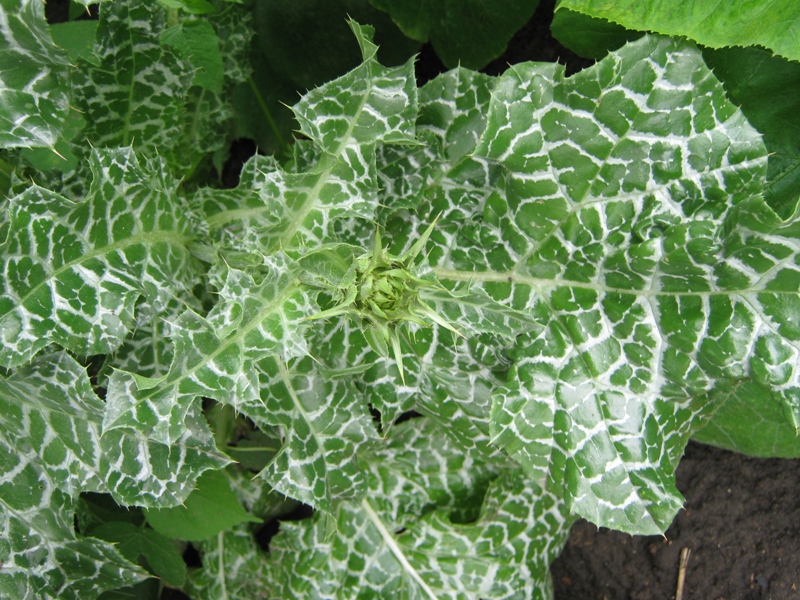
point(415, 342)
point(379, 290)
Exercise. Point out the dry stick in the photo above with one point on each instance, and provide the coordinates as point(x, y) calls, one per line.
point(685, 553)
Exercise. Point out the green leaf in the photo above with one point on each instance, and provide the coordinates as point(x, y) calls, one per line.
point(214, 357)
point(258, 499)
point(210, 508)
point(135, 96)
point(609, 233)
point(34, 87)
point(325, 425)
point(77, 38)
point(133, 541)
point(409, 538)
point(469, 33)
point(197, 42)
point(234, 27)
point(93, 510)
point(194, 7)
point(774, 24)
point(218, 50)
point(589, 36)
point(73, 271)
point(62, 157)
point(307, 45)
point(750, 421)
point(255, 451)
point(42, 557)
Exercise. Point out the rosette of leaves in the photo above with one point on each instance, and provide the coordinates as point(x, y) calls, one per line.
point(602, 245)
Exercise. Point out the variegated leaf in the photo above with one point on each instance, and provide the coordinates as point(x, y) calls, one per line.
point(442, 177)
point(346, 118)
point(620, 185)
point(147, 351)
point(135, 96)
point(50, 409)
point(41, 554)
point(73, 271)
point(50, 451)
point(234, 567)
point(34, 80)
point(215, 356)
point(411, 537)
point(325, 424)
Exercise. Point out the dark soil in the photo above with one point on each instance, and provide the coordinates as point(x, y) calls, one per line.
point(741, 522)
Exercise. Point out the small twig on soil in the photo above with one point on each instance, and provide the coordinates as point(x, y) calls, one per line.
point(685, 553)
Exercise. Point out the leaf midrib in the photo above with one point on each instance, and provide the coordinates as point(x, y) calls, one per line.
point(241, 332)
point(145, 238)
point(540, 283)
point(395, 549)
point(325, 166)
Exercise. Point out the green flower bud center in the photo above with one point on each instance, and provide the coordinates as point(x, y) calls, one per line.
point(386, 293)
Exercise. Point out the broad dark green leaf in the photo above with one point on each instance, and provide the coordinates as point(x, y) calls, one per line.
point(133, 541)
point(749, 420)
point(77, 38)
point(197, 42)
point(589, 36)
point(774, 24)
point(763, 86)
point(63, 157)
point(195, 7)
point(211, 508)
point(467, 33)
point(309, 44)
